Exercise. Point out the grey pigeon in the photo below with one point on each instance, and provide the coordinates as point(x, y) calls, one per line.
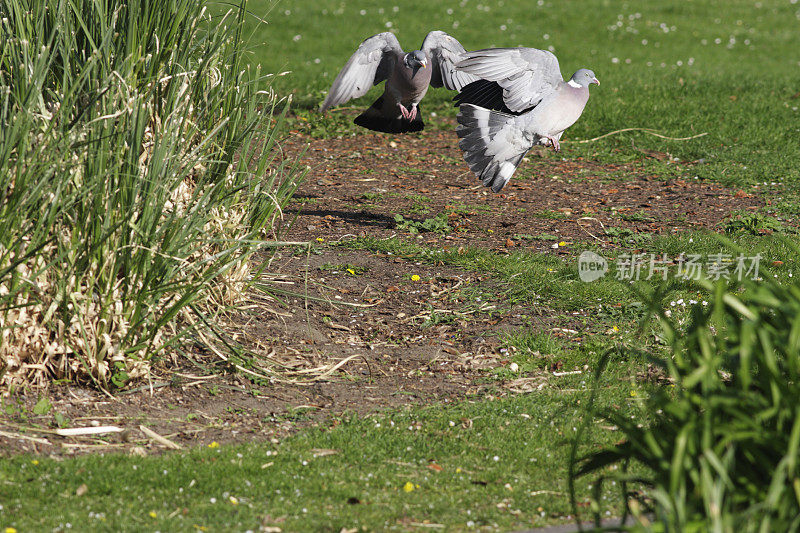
point(521, 100)
point(407, 76)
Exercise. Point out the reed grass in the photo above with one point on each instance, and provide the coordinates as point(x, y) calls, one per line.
point(717, 441)
point(138, 174)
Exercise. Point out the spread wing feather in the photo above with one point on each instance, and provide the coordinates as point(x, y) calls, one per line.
point(444, 51)
point(371, 64)
point(526, 74)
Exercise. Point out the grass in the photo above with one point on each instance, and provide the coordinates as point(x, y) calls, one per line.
point(549, 281)
point(133, 156)
point(662, 68)
point(458, 460)
point(722, 438)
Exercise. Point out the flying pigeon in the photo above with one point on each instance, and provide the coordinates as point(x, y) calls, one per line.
point(407, 76)
point(521, 100)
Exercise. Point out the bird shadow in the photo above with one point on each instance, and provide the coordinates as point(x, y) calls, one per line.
point(359, 218)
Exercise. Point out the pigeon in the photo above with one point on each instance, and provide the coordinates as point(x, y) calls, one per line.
point(520, 100)
point(407, 76)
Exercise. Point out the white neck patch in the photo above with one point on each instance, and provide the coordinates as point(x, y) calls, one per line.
point(573, 83)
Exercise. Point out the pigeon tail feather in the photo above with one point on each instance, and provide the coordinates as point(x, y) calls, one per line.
point(373, 118)
point(493, 163)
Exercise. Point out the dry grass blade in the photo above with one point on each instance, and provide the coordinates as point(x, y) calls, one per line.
point(643, 130)
point(10, 435)
point(158, 438)
point(92, 430)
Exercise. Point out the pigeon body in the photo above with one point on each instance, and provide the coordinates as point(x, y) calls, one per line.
point(521, 100)
point(407, 76)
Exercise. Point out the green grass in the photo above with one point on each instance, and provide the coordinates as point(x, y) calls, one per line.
point(500, 463)
point(548, 281)
point(681, 82)
point(722, 437)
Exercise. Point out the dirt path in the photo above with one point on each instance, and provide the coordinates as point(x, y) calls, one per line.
point(404, 340)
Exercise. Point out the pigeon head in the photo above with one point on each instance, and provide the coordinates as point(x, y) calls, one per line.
point(416, 60)
point(583, 78)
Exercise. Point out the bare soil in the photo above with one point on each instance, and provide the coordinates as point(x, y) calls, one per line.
point(401, 340)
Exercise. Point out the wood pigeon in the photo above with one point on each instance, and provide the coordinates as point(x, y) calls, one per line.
point(407, 76)
point(521, 100)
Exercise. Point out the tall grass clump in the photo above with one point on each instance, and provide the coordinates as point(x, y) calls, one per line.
point(137, 176)
point(716, 445)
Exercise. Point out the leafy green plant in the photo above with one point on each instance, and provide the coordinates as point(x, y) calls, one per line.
point(717, 441)
point(43, 406)
point(638, 216)
point(438, 224)
point(754, 224)
point(137, 176)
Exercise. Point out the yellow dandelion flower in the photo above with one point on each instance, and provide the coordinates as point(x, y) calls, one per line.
point(633, 394)
point(233, 500)
point(415, 277)
point(562, 243)
point(350, 270)
point(458, 470)
point(10, 530)
point(152, 514)
point(214, 444)
point(408, 487)
point(35, 462)
point(320, 239)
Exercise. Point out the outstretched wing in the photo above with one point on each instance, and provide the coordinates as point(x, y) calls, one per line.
point(369, 65)
point(526, 74)
point(444, 51)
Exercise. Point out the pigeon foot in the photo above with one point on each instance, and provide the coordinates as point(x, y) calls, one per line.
point(405, 112)
point(413, 114)
point(554, 143)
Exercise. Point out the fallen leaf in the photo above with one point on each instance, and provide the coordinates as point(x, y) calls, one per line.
point(435, 467)
point(81, 490)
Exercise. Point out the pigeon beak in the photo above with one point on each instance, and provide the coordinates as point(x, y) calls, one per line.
point(424, 64)
point(595, 80)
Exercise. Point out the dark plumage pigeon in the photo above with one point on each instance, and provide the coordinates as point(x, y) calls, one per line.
point(407, 76)
point(521, 100)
